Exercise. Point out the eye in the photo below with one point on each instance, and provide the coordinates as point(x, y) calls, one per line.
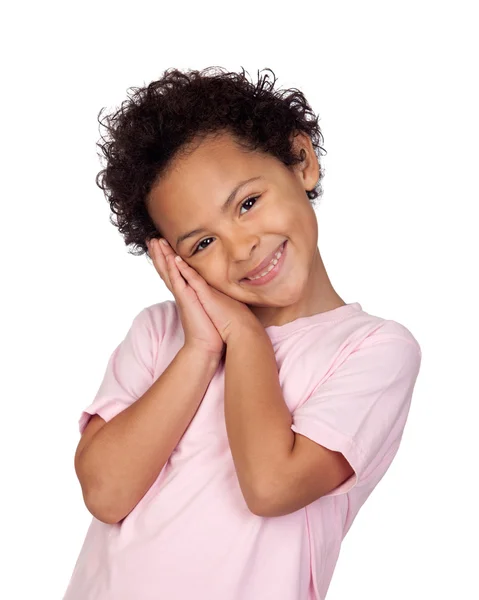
point(241, 206)
point(249, 200)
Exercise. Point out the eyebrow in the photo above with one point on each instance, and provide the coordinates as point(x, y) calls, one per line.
point(223, 209)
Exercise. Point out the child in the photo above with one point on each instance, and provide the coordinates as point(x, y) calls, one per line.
point(240, 427)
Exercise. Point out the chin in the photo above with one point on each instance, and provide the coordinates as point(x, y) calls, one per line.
point(278, 298)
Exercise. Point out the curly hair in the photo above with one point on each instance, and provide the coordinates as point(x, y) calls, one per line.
point(163, 119)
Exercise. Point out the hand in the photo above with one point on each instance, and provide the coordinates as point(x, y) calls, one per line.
point(227, 314)
point(199, 330)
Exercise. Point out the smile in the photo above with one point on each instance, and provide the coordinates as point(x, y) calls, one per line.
point(271, 270)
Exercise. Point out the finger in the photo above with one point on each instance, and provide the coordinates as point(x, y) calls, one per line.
point(169, 253)
point(192, 277)
point(159, 262)
point(156, 256)
point(166, 249)
point(174, 274)
point(177, 268)
point(163, 253)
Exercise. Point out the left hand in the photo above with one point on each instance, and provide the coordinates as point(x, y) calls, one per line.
point(227, 314)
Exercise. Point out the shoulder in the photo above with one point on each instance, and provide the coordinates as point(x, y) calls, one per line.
point(392, 334)
point(371, 346)
point(366, 329)
point(162, 322)
point(159, 317)
point(159, 313)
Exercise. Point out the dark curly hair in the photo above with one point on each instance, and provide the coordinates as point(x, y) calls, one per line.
point(163, 119)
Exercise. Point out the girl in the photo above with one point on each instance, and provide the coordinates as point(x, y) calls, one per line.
point(240, 427)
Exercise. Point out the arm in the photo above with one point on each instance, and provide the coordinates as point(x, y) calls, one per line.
point(123, 458)
point(258, 421)
point(279, 471)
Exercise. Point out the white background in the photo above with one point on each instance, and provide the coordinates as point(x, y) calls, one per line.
point(395, 87)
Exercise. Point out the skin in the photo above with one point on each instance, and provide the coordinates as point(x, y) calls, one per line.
point(190, 195)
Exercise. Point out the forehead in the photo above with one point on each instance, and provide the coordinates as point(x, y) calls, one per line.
point(215, 163)
point(201, 179)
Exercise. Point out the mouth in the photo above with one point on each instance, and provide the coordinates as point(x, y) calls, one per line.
point(270, 271)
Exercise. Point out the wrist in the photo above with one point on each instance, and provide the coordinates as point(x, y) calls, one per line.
point(209, 358)
point(245, 331)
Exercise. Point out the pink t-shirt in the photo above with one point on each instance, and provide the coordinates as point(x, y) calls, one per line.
point(347, 378)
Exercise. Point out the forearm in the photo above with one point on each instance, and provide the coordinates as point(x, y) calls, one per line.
point(125, 456)
point(258, 421)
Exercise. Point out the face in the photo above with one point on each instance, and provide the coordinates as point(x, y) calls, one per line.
point(269, 210)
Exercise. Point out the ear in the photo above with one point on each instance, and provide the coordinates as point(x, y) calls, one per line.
point(308, 169)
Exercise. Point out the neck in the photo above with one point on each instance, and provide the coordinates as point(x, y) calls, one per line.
point(320, 297)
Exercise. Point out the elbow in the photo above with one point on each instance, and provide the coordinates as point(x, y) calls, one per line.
point(104, 504)
point(258, 503)
point(101, 510)
point(269, 501)
point(94, 497)
point(261, 507)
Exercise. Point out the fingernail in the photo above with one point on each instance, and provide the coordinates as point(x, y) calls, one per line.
point(164, 242)
point(178, 258)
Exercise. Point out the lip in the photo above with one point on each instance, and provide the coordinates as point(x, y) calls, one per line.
point(274, 271)
point(260, 268)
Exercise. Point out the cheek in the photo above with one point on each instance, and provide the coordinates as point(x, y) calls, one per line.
point(303, 228)
point(213, 276)
point(278, 221)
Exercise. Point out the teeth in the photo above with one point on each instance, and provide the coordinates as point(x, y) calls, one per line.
point(273, 263)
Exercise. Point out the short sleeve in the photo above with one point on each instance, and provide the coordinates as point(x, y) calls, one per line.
point(361, 409)
point(129, 372)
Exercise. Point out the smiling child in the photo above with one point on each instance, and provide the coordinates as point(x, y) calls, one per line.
point(239, 427)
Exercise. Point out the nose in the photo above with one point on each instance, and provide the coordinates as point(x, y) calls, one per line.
point(242, 250)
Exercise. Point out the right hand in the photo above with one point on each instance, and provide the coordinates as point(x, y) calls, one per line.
point(198, 327)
